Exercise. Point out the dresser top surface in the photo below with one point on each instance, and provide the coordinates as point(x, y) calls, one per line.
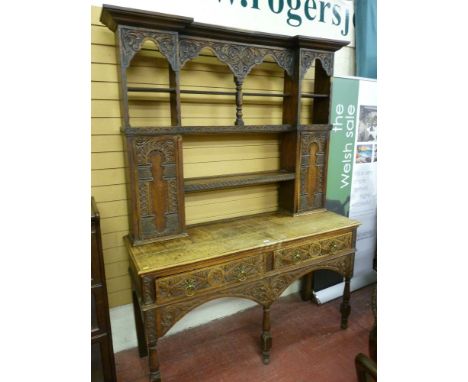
point(213, 240)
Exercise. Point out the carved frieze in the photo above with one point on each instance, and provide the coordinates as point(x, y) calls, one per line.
point(314, 250)
point(240, 58)
point(309, 56)
point(191, 283)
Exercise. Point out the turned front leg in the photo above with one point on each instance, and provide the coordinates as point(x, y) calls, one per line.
point(152, 340)
point(266, 336)
point(345, 308)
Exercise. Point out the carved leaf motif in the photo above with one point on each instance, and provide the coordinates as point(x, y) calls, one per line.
point(143, 198)
point(241, 58)
point(131, 40)
point(172, 196)
point(309, 56)
point(189, 49)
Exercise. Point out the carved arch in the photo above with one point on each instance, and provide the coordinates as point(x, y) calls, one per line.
point(132, 40)
point(146, 145)
point(263, 292)
point(343, 266)
point(171, 314)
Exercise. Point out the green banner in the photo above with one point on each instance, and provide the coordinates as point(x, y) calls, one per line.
point(342, 139)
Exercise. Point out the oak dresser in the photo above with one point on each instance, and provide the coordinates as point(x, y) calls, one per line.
point(174, 267)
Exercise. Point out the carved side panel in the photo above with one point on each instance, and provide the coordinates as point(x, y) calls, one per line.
point(158, 184)
point(309, 56)
point(312, 170)
point(132, 39)
point(240, 58)
point(191, 283)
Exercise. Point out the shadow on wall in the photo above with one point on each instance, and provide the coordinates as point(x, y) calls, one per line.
point(339, 207)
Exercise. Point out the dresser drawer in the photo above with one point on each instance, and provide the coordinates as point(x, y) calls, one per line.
point(312, 250)
point(192, 283)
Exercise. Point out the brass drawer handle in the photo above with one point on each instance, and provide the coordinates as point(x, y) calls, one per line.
point(189, 287)
point(333, 246)
point(241, 274)
point(297, 256)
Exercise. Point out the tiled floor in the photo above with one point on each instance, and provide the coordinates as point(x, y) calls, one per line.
point(308, 345)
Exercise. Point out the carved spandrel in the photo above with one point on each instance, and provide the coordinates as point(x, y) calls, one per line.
point(240, 58)
point(132, 39)
point(309, 56)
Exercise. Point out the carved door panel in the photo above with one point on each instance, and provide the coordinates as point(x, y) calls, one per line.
point(312, 170)
point(158, 187)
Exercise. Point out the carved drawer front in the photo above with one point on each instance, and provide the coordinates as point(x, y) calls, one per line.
point(191, 283)
point(313, 250)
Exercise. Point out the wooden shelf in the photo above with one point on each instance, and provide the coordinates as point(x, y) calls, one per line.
point(150, 90)
point(316, 127)
point(203, 130)
point(207, 92)
point(314, 95)
point(265, 94)
point(236, 180)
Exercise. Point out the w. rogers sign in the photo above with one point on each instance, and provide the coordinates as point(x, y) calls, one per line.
point(332, 19)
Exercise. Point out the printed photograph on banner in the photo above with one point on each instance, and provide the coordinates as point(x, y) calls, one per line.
point(363, 154)
point(375, 153)
point(367, 130)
